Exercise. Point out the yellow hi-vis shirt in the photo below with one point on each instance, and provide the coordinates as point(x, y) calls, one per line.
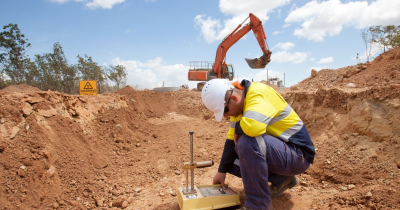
point(266, 112)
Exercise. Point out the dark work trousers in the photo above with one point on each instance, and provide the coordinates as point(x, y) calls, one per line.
point(265, 159)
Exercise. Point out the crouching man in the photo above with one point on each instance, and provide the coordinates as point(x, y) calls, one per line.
point(266, 142)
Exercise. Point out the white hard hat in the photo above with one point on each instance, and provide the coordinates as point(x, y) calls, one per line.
point(213, 96)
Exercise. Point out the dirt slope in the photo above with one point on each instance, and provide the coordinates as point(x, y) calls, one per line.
point(126, 149)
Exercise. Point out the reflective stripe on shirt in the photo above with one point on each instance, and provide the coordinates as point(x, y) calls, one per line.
point(290, 131)
point(257, 117)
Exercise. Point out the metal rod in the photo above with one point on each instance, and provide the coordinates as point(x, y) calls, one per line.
point(187, 181)
point(191, 160)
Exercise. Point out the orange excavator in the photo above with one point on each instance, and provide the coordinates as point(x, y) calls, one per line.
point(205, 71)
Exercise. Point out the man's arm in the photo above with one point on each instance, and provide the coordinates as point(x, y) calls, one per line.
point(228, 156)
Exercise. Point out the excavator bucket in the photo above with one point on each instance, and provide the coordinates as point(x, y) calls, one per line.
point(259, 63)
point(256, 63)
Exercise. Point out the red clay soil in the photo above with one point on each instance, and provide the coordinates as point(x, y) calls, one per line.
point(126, 149)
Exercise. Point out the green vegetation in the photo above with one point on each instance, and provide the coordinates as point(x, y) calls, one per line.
point(51, 70)
point(386, 38)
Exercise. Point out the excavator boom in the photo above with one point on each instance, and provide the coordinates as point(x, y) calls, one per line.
point(205, 71)
point(256, 25)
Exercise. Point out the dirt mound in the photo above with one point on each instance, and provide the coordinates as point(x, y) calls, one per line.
point(383, 71)
point(126, 149)
point(20, 88)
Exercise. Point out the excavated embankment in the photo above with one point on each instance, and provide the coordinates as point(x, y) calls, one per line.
point(126, 149)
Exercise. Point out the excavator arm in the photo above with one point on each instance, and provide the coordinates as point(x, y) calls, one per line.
point(256, 25)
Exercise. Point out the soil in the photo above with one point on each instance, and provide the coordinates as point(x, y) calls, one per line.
point(125, 150)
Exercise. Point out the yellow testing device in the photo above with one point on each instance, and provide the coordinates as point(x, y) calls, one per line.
point(204, 197)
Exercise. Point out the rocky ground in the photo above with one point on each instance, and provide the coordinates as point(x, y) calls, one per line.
point(126, 149)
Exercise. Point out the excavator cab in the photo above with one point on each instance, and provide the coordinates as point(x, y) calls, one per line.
point(229, 72)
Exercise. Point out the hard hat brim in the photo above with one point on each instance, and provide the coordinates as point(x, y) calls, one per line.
point(218, 115)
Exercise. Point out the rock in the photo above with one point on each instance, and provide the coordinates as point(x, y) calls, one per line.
point(313, 73)
point(350, 85)
point(98, 162)
point(350, 72)
point(177, 172)
point(2, 148)
point(51, 171)
point(138, 145)
point(124, 204)
point(368, 195)
point(138, 190)
point(397, 162)
point(343, 188)
point(2, 121)
point(173, 193)
point(161, 193)
point(351, 186)
point(99, 202)
point(14, 132)
point(118, 201)
point(27, 109)
point(21, 173)
point(55, 205)
point(130, 199)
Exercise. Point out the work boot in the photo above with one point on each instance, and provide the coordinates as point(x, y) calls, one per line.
point(289, 183)
point(247, 208)
point(244, 208)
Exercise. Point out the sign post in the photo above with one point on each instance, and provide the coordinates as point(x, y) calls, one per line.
point(88, 87)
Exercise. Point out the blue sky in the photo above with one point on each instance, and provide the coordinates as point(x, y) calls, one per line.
point(156, 39)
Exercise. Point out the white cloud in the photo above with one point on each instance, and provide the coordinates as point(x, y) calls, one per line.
point(127, 30)
point(277, 32)
point(284, 46)
point(63, 1)
point(285, 56)
point(312, 59)
point(94, 4)
point(209, 27)
point(262, 75)
point(212, 30)
point(323, 18)
point(153, 73)
point(326, 60)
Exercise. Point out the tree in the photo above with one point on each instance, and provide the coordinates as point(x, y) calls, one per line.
point(65, 75)
point(117, 74)
point(89, 70)
point(367, 38)
point(387, 37)
point(12, 59)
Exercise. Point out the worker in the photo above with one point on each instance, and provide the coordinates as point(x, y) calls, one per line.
point(266, 141)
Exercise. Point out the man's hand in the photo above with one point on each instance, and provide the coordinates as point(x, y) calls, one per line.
point(236, 138)
point(219, 178)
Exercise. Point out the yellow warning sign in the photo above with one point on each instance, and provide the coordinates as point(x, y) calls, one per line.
point(88, 87)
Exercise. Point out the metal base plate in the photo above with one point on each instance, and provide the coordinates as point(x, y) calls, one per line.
point(208, 197)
